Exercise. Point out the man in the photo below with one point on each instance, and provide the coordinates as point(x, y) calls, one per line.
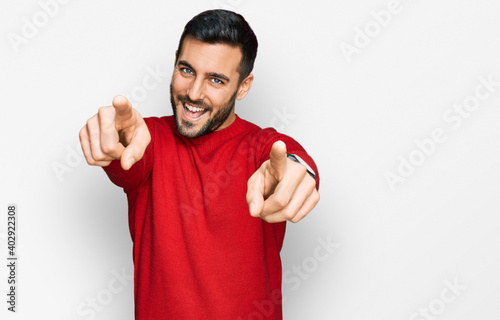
point(200, 250)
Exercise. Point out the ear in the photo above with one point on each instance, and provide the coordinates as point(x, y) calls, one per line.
point(244, 87)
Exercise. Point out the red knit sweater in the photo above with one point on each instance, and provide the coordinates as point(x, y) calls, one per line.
point(198, 254)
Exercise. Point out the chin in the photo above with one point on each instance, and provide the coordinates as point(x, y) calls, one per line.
point(186, 130)
point(189, 129)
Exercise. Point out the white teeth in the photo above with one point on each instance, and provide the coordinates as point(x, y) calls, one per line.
point(192, 109)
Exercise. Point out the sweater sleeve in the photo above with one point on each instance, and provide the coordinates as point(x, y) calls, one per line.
point(269, 136)
point(139, 172)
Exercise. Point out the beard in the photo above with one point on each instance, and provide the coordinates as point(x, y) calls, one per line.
point(214, 121)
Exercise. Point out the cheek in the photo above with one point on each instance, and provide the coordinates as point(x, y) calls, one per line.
point(218, 97)
point(213, 97)
point(179, 84)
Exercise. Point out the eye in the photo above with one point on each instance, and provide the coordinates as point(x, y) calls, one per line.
point(217, 81)
point(186, 70)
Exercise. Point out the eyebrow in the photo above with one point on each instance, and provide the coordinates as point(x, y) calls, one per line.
point(210, 74)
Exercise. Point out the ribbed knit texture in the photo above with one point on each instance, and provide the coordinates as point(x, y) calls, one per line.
point(198, 254)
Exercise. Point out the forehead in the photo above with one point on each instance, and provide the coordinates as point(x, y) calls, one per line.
point(211, 57)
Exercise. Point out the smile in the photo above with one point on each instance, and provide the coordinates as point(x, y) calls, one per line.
point(192, 112)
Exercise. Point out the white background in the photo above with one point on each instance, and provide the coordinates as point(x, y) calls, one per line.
point(358, 115)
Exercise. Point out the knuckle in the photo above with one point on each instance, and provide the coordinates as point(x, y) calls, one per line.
point(147, 139)
point(105, 114)
point(96, 151)
point(251, 181)
point(295, 219)
point(267, 218)
point(97, 156)
point(140, 153)
point(105, 163)
point(91, 125)
point(315, 197)
point(288, 214)
point(90, 160)
point(281, 200)
point(311, 182)
point(301, 169)
point(248, 197)
point(82, 134)
point(107, 148)
point(103, 111)
point(297, 170)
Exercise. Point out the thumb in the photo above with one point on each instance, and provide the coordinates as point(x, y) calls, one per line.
point(136, 148)
point(278, 159)
point(123, 111)
point(255, 193)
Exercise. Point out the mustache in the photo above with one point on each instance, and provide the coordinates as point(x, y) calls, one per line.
point(198, 103)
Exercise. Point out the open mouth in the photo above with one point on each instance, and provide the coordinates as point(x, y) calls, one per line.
point(193, 112)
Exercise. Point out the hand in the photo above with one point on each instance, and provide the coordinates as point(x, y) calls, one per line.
point(115, 132)
point(290, 191)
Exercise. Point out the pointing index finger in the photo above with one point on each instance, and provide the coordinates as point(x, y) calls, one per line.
point(278, 159)
point(123, 109)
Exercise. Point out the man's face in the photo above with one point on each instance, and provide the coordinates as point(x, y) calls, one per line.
point(205, 86)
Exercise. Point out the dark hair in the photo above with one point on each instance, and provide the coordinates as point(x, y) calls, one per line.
point(224, 27)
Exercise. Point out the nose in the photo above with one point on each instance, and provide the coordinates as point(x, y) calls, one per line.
point(195, 89)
